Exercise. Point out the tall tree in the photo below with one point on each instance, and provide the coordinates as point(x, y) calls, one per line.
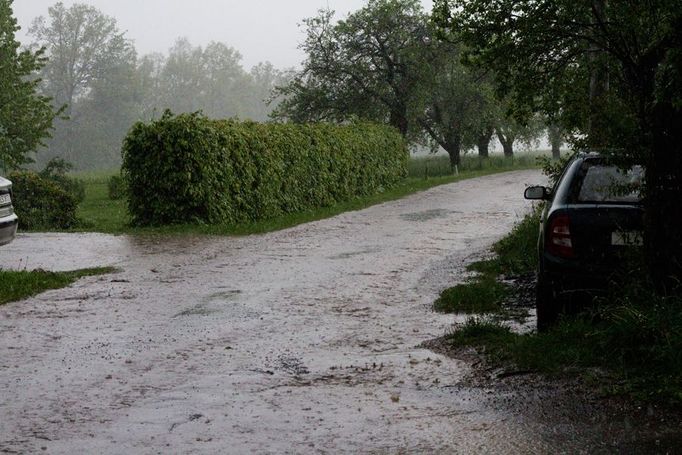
point(556, 137)
point(384, 64)
point(89, 73)
point(456, 105)
point(623, 56)
point(367, 65)
point(510, 130)
point(25, 116)
point(209, 79)
point(260, 99)
point(80, 43)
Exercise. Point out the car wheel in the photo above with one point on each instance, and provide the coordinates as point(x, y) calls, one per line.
point(547, 308)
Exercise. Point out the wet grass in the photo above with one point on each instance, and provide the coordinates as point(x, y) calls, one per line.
point(439, 165)
point(18, 285)
point(481, 295)
point(630, 343)
point(98, 213)
point(484, 292)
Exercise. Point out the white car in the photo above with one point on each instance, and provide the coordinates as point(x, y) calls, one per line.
point(8, 220)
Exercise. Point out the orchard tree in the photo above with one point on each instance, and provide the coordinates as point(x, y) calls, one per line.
point(458, 109)
point(91, 75)
point(510, 130)
point(81, 43)
point(385, 64)
point(616, 68)
point(260, 99)
point(194, 78)
point(556, 136)
point(368, 66)
point(25, 116)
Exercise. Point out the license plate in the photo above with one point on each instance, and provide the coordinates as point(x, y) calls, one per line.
point(5, 199)
point(630, 238)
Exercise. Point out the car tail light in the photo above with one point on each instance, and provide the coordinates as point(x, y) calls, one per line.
point(559, 241)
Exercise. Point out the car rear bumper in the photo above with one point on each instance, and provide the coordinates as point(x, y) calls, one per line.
point(571, 278)
point(8, 229)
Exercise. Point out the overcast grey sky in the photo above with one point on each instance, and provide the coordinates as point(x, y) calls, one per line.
point(260, 29)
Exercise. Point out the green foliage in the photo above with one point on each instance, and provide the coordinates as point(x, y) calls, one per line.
point(17, 285)
point(99, 213)
point(516, 252)
point(40, 203)
point(607, 70)
point(116, 187)
point(482, 295)
point(515, 255)
point(430, 166)
point(367, 65)
point(91, 74)
point(56, 171)
point(189, 169)
point(554, 168)
point(25, 116)
point(383, 63)
point(635, 338)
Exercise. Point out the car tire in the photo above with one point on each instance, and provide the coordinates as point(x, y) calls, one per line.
point(546, 307)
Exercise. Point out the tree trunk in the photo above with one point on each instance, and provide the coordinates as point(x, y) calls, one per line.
point(507, 144)
point(454, 147)
point(483, 143)
point(399, 121)
point(554, 135)
point(663, 230)
point(599, 87)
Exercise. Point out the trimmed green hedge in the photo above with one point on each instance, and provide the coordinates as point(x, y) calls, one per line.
point(189, 169)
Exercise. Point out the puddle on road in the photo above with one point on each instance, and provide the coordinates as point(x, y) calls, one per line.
point(352, 254)
point(210, 304)
point(426, 215)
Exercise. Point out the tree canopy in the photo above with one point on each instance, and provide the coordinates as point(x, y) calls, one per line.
point(25, 116)
point(94, 72)
point(612, 70)
point(367, 65)
point(384, 63)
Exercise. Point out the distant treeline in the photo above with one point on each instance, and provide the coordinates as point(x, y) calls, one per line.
point(95, 75)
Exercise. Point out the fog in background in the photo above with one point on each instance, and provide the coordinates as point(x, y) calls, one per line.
point(262, 30)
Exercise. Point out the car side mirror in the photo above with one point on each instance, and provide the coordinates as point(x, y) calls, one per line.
point(537, 193)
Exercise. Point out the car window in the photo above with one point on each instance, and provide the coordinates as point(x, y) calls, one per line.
point(608, 183)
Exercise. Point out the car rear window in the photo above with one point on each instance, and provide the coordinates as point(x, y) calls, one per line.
point(607, 183)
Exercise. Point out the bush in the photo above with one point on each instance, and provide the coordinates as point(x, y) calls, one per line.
point(187, 168)
point(116, 187)
point(40, 203)
point(55, 171)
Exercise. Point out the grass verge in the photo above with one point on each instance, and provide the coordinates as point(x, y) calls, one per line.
point(101, 214)
point(484, 293)
point(630, 343)
point(17, 285)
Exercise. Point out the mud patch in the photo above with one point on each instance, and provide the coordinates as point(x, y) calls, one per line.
point(566, 408)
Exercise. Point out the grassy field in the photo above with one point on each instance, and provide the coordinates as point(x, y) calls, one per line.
point(439, 165)
point(101, 214)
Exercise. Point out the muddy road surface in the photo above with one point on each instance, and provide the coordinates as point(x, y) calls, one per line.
point(299, 341)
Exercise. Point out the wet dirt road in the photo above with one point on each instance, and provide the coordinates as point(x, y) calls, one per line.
point(299, 341)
